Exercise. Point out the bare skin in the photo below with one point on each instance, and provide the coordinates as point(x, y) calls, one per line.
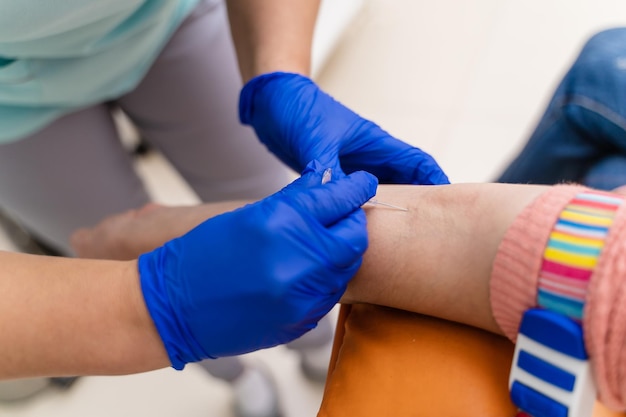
point(434, 259)
point(272, 35)
point(127, 235)
point(63, 316)
point(76, 317)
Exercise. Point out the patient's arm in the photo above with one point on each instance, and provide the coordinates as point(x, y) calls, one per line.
point(472, 252)
point(434, 259)
point(127, 235)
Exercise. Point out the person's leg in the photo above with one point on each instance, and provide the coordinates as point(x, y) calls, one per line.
point(67, 176)
point(607, 174)
point(186, 107)
point(585, 121)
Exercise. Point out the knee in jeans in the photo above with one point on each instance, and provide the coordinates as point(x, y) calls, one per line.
point(593, 86)
point(602, 61)
point(607, 44)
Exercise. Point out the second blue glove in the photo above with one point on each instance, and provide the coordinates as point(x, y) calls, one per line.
point(299, 122)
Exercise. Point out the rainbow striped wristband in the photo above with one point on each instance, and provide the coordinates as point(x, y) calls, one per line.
point(551, 374)
point(572, 252)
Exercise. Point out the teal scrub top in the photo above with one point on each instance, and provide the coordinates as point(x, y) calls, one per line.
point(57, 56)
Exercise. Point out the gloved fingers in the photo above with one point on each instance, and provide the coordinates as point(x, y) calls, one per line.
point(328, 203)
point(345, 243)
point(299, 122)
point(272, 104)
point(316, 170)
point(412, 166)
point(428, 172)
point(294, 119)
point(417, 167)
point(312, 176)
point(370, 148)
point(272, 84)
point(332, 161)
point(317, 313)
point(348, 240)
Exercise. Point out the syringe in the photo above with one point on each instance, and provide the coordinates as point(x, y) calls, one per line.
point(327, 176)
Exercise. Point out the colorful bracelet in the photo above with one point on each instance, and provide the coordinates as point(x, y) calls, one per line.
point(551, 374)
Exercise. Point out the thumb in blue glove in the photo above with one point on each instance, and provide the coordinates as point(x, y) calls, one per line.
point(299, 122)
point(261, 275)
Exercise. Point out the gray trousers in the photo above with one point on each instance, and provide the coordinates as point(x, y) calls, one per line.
point(75, 172)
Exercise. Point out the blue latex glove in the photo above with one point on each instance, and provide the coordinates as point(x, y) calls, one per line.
point(298, 122)
point(261, 275)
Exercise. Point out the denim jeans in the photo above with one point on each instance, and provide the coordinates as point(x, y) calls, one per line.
point(582, 135)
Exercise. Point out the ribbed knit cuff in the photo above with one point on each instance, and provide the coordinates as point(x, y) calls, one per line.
point(604, 320)
point(513, 285)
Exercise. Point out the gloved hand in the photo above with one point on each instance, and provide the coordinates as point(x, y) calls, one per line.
point(261, 275)
point(298, 122)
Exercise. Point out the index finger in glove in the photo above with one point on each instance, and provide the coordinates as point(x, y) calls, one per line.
point(348, 242)
point(331, 202)
point(372, 149)
point(392, 166)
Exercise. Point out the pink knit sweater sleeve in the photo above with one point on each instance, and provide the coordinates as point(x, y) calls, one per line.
point(514, 283)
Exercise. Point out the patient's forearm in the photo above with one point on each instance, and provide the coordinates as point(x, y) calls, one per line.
point(436, 258)
point(462, 251)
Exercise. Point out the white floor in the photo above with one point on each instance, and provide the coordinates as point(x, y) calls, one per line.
point(464, 80)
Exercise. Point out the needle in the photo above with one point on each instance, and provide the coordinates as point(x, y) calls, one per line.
point(327, 175)
point(380, 203)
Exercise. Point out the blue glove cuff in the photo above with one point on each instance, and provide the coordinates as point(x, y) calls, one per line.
point(246, 98)
point(178, 340)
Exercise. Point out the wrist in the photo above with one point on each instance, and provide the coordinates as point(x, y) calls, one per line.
point(280, 64)
point(515, 271)
point(268, 76)
point(568, 255)
point(175, 335)
point(152, 352)
point(258, 87)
